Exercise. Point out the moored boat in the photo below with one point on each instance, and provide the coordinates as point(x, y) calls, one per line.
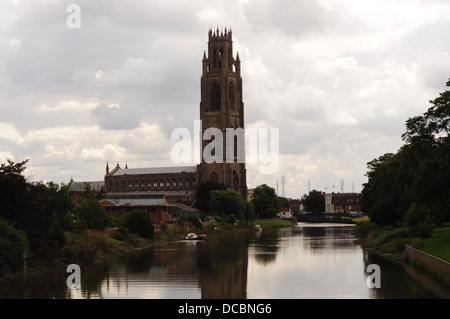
point(194, 236)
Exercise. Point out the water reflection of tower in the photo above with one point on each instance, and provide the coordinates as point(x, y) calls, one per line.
point(224, 266)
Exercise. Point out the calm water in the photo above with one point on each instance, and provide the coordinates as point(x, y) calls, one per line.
point(303, 261)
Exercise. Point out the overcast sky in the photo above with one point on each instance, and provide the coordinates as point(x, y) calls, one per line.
point(339, 78)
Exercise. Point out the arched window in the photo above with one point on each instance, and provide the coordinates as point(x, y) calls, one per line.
point(232, 96)
point(214, 177)
point(235, 181)
point(215, 97)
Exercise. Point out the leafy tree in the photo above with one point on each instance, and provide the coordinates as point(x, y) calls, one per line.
point(91, 214)
point(203, 194)
point(314, 202)
point(227, 202)
point(249, 211)
point(265, 201)
point(40, 210)
point(420, 221)
point(12, 244)
point(139, 223)
point(418, 173)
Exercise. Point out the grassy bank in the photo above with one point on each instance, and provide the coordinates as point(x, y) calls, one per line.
point(390, 241)
point(438, 244)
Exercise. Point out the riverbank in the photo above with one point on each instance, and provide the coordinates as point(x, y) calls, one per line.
point(92, 247)
point(391, 242)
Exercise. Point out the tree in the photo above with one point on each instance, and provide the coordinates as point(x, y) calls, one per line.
point(40, 210)
point(203, 194)
point(228, 202)
point(419, 220)
point(139, 223)
point(12, 244)
point(418, 173)
point(91, 214)
point(314, 202)
point(249, 211)
point(265, 202)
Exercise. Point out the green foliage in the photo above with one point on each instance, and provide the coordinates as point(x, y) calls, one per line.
point(121, 233)
point(265, 202)
point(418, 172)
point(314, 202)
point(420, 221)
point(249, 211)
point(90, 213)
point(12, 244)
point(139, 223)
point(227, 202)
point(230, 219)
point(203, 194)
point(41, 211)
point(194, 220)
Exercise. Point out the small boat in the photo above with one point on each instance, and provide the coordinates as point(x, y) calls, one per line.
point(258, 228)
point(194, 236)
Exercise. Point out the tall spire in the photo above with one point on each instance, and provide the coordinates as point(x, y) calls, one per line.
point(107, 168)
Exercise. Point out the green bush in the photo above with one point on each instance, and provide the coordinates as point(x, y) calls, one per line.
point(230, 219)
point(139, 223)
point(420, 221)
point(121, 233)
point(194, 220)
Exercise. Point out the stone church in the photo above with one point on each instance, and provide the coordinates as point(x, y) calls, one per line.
point(221, 107)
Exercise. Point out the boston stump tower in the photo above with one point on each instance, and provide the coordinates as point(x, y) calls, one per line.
point(222, 109)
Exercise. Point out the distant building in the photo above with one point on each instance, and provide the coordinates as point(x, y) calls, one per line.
point(155, 206)
point(176, 183)
point(76, 189)
point(284, 212)
point(343, 203)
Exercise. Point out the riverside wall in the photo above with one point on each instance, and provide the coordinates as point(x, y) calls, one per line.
point(428, 259)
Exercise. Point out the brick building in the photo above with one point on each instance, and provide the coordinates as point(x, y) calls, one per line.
point(343, 203)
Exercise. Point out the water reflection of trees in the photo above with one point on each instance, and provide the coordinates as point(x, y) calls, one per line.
point(265, 246)
point(318, 238)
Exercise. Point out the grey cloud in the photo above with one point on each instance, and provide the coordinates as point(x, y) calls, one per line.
point(290, 17)
point(115, 117)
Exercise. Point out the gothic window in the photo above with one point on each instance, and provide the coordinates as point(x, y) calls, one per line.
point(215, 97)
point(235, 181)
point(232, 96)
point(214, 176)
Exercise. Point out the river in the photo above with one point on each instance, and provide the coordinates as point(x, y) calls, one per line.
point(301, 262)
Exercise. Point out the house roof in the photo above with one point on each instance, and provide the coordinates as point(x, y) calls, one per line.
point(155, 170)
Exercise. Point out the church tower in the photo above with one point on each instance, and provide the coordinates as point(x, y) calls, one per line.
point(222, 109)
